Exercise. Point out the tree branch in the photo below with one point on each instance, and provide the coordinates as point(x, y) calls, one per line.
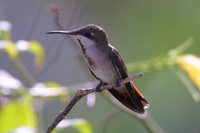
point(83, 92)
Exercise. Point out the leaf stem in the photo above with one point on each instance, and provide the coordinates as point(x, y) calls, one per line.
point(187, 82)
point(160, 62)
point(24, 72)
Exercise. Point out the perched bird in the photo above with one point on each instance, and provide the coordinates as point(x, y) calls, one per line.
point(106, 64)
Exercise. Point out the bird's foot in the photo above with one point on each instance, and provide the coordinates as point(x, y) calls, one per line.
point(98, 88)
point(118, 83)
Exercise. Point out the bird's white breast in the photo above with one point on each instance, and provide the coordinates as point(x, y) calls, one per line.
point(102, 67)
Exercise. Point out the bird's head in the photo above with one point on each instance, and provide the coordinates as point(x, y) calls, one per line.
point(91, 32)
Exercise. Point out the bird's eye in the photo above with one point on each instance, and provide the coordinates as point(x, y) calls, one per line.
point(89, 34)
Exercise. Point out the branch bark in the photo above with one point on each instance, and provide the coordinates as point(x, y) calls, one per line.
point(83, 92)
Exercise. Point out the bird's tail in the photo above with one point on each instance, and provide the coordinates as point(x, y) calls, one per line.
point(140, 96)
point(131, 97)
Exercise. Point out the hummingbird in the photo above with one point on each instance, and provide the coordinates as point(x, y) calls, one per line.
point(106, 64)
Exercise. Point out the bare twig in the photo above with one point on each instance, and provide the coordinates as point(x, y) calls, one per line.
point(132, 77)
point(56, 16)
point(55, 9)
point(81, 93)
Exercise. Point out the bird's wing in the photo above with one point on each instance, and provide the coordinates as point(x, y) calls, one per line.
point(130, 95)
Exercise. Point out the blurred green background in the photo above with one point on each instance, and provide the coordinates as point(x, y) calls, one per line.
point(139, 29)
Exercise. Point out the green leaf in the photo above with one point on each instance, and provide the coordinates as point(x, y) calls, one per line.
point(81, 125)
point(38, 51)
point(4, 35)
point(11, 50)
point(17, 113)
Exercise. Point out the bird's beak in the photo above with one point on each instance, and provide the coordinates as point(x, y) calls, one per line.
point(72, 32)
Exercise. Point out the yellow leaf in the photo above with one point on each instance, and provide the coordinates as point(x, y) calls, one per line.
point(11, 50)
point(38, 51)
point(17, 113)
point(5, 28)
point(191, 65)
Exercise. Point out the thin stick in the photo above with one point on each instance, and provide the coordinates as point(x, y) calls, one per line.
point(132, 77)
point(81, 93)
